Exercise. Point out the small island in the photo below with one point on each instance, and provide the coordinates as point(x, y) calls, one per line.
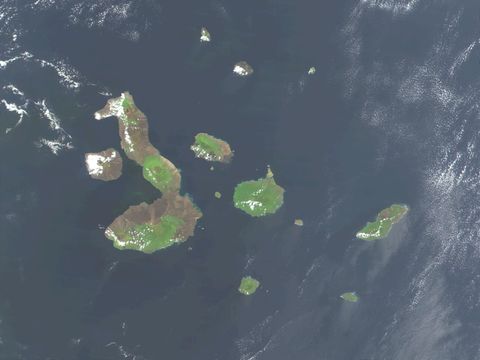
point(298, 222)
point(169, 220)
point(242, 68)
point(210, 148)
point(349, 296)
point(312, 71)
point(105, 165)
point(205, 35)
point(248, 285)
point(384, 222)
point(259, 197)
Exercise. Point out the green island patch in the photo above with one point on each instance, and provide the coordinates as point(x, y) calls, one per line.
point(128, 117)
point(151, 237)
point(158, 172)
point(259, 197)
point(210, 148)
point(127, 103)
point(349, 296)
point(248, 285)
point(383, 223)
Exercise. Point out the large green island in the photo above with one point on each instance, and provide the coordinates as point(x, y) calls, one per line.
point(384, 222)
point(259, 197)
point(168, 220)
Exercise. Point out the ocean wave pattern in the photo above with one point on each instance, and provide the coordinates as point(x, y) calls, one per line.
point(426, 103)
point(25, 106)
point(445, 133)
point(126, 18)
point(17, 102)
point(129, 19)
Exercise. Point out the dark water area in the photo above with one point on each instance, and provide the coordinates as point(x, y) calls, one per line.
point(369, 129)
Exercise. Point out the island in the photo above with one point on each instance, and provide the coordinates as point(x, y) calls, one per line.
point(312, 70)
point(349, 296)
point(151, 227)
point(384, 222)
point(298, 222)
point(132, 127)
point(169, 220)
point(210, 148)
point(205, 35)
point(218, 194)
point(242, 68)
point(259, 197)
point(248, 285)
point(105, 165)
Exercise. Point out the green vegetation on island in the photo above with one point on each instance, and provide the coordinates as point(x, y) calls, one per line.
point(211, 149)
point(259, 197)
point(161, 173)
point(129, 118)
point(166, 221)
point(349, 296)
point(151, 227)
point(382, 225)
point(248, 285)
point(151, 237)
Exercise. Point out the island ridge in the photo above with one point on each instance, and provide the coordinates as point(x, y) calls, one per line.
point(384, 222)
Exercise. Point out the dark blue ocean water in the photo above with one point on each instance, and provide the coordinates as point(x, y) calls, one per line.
point(391, 115)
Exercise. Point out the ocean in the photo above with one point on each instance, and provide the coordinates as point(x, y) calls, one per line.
point(390, 116)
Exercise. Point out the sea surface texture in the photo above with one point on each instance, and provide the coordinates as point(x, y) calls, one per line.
point(391, 115)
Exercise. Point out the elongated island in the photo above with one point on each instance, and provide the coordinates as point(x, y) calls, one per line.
point(169, 220)
point(384, 222)
point(210, 148)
